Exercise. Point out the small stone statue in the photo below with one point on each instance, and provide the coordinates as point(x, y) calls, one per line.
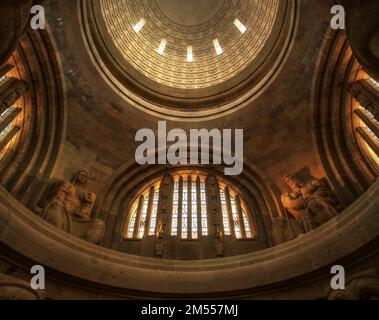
point(311, 203)
point(70, 199)
point(219, 242)
point(159, 241)
point(95, 233)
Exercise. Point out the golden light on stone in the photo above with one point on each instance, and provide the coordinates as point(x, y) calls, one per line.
point(181, 68)
point(240, 26)
point(162, 46)
point(190, 54)
point(138, 27)
point(217, 46)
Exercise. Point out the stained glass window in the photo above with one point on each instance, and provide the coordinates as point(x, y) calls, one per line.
point(203, 206)
point(185, 209)
point(132, 223)
point(236, 221)
point(367, 128)
point(142, 223)
point(189, 210)
point(175, 209)
point(154, 212)
point(247, 224)
point(194, 210)
point(225, 214)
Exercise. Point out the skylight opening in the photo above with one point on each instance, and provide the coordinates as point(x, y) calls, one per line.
point(240, 26)
point(217, 46)
point(189, 54)
point(162, 46)
point(138, 27)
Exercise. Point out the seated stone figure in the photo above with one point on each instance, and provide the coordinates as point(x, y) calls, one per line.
point(70, 199)
point(312, 203)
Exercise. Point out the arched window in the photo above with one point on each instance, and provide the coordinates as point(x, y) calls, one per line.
point(11, 90)
point(366, 117)
point(191, 199)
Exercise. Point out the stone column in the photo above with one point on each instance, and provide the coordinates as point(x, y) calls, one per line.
point(164, 213)
point(214, 214)
point(11, 90)
point(240, 217)
point(8, 118)
point(5, 69)
point(366, 95)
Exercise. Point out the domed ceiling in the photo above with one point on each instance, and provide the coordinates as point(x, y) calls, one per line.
point(188, 55)
point(189, 25)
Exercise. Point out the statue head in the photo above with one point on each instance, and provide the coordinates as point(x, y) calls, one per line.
point(292, 181)
point(81, 177)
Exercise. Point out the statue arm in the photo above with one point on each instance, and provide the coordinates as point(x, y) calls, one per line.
point(88, 203)
point(61, 191)
point(293, 207)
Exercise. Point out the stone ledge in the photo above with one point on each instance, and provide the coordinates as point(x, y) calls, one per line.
point(26, 233)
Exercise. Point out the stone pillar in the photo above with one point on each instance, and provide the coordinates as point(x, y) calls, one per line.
point(366, 95)
point(164, 212)
point(149, 210)
point(240, 217)
point(10, 135)
point(5, 69)
point(214, 214)
point(11, 90)
point(8, 118)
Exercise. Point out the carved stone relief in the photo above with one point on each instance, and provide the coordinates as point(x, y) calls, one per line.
point(308, 204)
point(69, 206)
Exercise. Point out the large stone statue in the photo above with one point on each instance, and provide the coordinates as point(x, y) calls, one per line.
point(95, 232)
point(70, 199)
point(285, 229)
point(311, 203)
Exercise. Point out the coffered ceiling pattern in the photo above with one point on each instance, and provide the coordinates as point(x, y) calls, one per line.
point(182, 28)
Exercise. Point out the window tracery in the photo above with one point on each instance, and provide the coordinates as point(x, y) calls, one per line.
point(189, 217)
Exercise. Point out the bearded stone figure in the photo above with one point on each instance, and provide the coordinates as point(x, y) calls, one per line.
point(70, 199)
point(311, 203)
